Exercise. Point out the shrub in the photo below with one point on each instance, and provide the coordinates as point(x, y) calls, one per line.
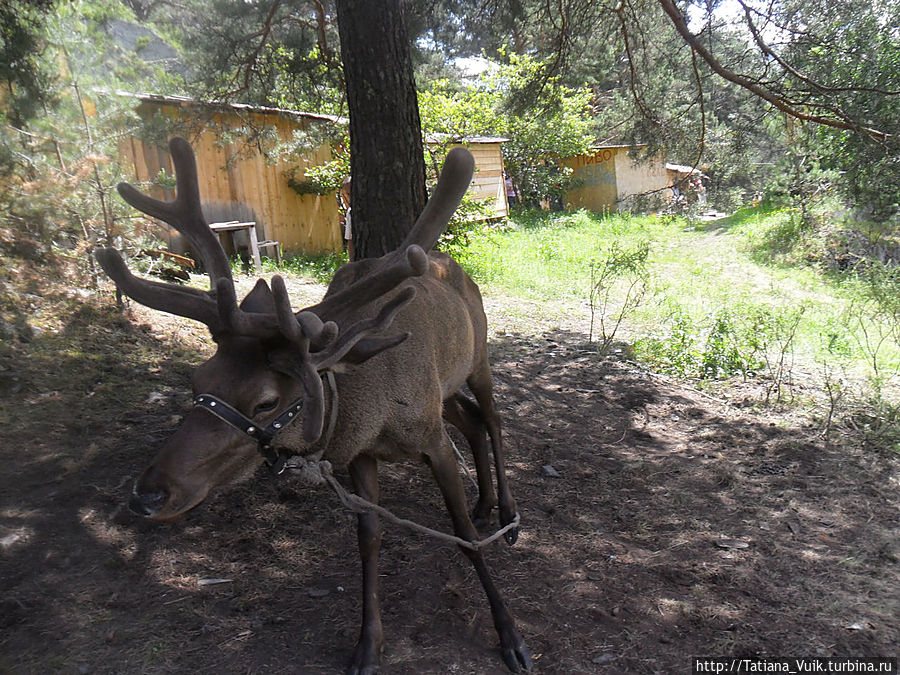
point(623, 270)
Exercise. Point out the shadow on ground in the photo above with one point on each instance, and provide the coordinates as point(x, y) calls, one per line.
point(669, 526)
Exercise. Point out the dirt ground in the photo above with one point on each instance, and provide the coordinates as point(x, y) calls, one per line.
point(658, 523)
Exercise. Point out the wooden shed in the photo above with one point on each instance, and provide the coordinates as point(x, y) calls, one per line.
point(237, 180)
point(488, 182)
point(611, 180)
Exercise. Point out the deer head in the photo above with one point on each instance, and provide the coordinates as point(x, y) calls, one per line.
point(268, 366)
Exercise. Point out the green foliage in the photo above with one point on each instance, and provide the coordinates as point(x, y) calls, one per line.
point(322, 179)
point(852, 43)
point(319, 267)
point(553, 126)
point(873, 317)
point(743, 340)
point(673, 348)
point(25, 76)
point(284, 55)
point(470, 220)
point(59, 173)
point(720, 356)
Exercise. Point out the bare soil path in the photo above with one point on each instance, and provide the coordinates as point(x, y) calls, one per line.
point(657, 524)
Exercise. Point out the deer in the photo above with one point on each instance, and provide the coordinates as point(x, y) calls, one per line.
point(367, 375)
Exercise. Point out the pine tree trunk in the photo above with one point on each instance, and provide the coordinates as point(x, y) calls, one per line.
point(386, 159)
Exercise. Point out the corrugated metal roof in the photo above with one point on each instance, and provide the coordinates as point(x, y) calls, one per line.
point(682, 168)
point(618, 147)
point(450, 138)
point(185, 101)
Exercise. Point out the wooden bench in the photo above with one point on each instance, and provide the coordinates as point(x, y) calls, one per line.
point(233, 226)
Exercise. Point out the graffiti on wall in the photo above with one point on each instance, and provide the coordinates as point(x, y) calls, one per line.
point(596, 168)
point(597, 157)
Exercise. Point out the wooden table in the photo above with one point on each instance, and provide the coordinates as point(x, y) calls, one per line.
point(236, 226)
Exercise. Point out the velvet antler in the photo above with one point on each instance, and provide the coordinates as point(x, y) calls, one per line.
point(185, 214)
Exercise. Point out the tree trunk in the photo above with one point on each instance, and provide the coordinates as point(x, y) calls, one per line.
point(386, 158)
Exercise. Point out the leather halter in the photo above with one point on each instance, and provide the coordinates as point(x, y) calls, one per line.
point(265, 437)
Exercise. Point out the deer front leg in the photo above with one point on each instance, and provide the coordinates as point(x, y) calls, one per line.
point(364, 474)
point(443, 466)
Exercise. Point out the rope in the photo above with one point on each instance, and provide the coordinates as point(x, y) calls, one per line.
point(320, 472)
point(461, 461)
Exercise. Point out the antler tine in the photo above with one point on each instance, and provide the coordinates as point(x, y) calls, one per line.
point(184, 213)
point(448, 193)
point(362, 329)
point(302, 326)
point(411, 258)
point(299, 330)
point(288, 323)
point(397, 267)
point(180, 300)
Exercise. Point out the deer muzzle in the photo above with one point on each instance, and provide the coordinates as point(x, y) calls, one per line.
point(158, 497)
point(200, 456)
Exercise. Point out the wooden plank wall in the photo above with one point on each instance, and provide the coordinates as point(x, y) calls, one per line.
point(611, 178)
point(597, 172)
point(235, 178)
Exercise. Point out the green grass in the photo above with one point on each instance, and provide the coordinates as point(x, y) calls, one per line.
point(724, 295)
point(319, 267)
point(735, 277)
point(549, 257)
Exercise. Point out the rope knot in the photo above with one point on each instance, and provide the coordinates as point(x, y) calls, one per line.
point(311, 470)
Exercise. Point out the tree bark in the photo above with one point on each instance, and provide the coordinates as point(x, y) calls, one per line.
point(386, 158)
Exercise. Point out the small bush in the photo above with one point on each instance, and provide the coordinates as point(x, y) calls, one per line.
point(673, 349)
point(720, 357)
point(744, 340)
point(619, 271)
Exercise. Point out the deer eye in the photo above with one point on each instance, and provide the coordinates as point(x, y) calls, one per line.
point(266, 406)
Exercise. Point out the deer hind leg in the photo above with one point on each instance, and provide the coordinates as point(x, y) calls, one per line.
point(482, 385)
point(466, 416)
point(443, 466)
point(364, 474)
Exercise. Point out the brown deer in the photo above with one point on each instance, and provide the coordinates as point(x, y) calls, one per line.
point(370, 371)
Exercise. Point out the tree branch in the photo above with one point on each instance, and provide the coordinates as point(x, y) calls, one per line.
point(263, 35)
point(768, 51)
point(755, 88)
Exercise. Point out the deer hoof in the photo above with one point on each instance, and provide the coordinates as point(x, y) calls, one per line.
point(506, 517)
point(365, 658)
point(516, 655)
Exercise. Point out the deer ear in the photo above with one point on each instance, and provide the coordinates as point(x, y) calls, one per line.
point(260, 300)
point(366, 348)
